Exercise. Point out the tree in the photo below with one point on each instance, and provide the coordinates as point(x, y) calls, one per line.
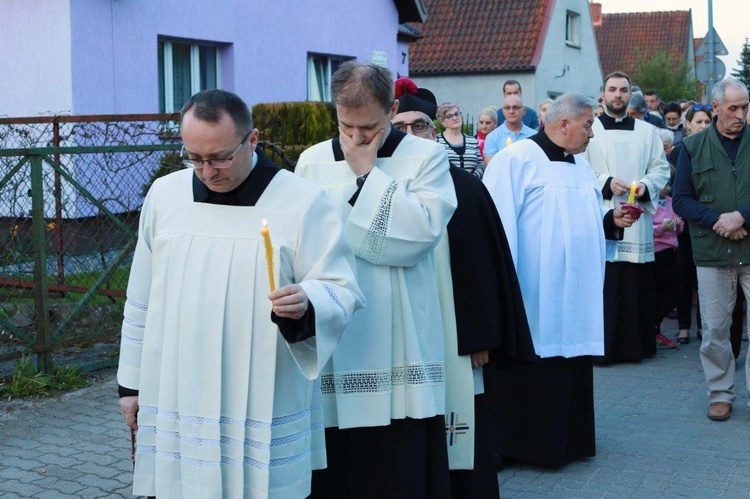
point(671, 85)
point(742, 73)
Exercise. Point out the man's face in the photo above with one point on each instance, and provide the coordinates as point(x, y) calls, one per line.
point(731, 114)
point(364, 123)
point(652, 101)
point(511, 89)
point(616, 95)
point(513, 110)
point(672, 119)
point(205, 140)
point(409, 120)
point(579, 131)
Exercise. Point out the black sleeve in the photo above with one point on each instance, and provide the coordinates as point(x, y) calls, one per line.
point(611, 231)
point(126, 392)
point(646, 196)
point(607, 190)
point(297, 330)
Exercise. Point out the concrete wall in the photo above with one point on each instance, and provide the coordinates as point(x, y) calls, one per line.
point(35, 57)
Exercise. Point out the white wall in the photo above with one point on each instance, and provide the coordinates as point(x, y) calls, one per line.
point(564, 68)
point(475, 92)
point(35, 57)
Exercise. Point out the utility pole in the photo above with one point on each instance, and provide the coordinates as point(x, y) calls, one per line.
point(711, 54)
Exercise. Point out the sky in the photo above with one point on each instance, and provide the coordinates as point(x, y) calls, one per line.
point(731, 19)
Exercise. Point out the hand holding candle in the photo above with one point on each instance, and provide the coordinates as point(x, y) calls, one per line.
point(266, 233)
point(631, 197)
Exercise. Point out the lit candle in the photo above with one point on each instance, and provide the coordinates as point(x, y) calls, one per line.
point(508, 142)
point(266, 233)
point(631, 198)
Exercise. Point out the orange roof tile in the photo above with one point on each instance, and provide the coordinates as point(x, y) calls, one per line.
point(619, 35)
point(477, 36)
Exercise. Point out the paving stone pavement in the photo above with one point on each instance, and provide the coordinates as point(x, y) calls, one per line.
point(653, 440)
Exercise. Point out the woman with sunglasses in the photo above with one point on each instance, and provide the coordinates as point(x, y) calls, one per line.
point(697, 118)
point(463, 150)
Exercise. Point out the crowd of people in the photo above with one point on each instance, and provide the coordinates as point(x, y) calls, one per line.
point(443, 296)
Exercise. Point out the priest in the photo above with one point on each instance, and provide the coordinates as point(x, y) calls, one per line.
point(384, 388)
point(216, 367)
point(551, 208)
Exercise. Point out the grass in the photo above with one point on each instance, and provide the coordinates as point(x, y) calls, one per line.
point(27, 382)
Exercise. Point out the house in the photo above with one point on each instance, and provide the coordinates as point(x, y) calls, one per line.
point(623, 38)
point(146, 56)
point(467, 52)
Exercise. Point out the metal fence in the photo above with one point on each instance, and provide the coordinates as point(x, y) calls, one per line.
point(71, 188)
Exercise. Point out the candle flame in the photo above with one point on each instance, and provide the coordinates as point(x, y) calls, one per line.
point(265, 223)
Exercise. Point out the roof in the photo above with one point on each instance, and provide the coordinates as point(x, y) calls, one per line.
point(480, 36)
point(620, 36)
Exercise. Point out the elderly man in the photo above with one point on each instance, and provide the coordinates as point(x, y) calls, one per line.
point(512, 130)
point(626, 152)
point(530, 118)
point(222, 399)
point(712, 192)
point(384, 389)
point(481, 305)
point(551, 206)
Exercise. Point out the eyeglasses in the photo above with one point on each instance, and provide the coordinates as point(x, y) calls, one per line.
point(702, 107)
point(217, 163)
point(512, 108)
point(419, 126)
point(454, 115)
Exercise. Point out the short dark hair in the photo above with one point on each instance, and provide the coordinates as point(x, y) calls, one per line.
point(355, 85)
point(616, 74)
point(651, 93)
point(209, 105)
point(673, 107)
point(512, 82)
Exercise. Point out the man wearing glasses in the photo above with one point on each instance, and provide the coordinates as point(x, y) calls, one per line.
point(512, 130)
point(216, 368)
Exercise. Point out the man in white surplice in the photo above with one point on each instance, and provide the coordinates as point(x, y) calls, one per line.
point(384, 388)
point(215, 373)
point(551, 207)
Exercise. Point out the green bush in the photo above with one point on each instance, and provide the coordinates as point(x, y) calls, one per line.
point(27, 382)
point(294, 123)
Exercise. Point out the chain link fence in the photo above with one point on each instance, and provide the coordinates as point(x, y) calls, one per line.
point(70, 193)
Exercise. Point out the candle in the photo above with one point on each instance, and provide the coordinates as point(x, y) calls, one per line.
point(266, 233)
point(508, 142)
point(631, 198)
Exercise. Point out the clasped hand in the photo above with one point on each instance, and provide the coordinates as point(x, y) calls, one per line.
point(730, 226)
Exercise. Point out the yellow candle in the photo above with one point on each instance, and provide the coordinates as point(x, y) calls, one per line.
point(631, 198)
point(508, 142)
point(266, 233)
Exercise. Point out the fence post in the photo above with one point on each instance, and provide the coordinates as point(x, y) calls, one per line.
point(39, 231)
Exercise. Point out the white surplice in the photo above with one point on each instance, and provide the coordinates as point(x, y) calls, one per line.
point(227, 407)
point(552, 213)
point(391, 363)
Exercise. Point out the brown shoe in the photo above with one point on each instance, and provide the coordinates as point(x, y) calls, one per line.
point(719, 411)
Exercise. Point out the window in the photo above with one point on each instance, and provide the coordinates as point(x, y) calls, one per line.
point(185, 69)
point(573, 29)
point(319, 71)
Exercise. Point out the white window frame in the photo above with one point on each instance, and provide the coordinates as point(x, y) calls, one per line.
point(573, 29)
point(312, 90)
point(195, 75)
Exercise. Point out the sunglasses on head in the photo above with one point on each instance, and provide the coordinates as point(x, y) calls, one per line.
point(702, 107)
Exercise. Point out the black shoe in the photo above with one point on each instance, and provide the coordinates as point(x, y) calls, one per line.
point(683, 340)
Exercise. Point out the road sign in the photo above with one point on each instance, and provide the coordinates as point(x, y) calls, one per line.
point(719, 47)
point(702, 71)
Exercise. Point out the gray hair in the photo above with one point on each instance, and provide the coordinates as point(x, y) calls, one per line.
point(665, 135)
point(356, 85)
point(444, 108)
point(569, 105)
point(721, 87)
point(544, 101)
point(638, 103)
